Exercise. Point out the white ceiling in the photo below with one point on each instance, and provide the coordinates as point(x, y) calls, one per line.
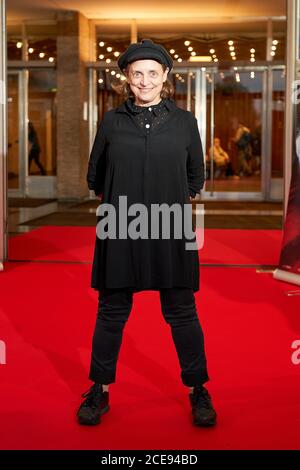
point(158, 10)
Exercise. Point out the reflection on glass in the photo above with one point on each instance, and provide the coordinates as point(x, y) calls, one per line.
point(42, 122)
point(278, 103)
point(13, 132)
point(236, 149)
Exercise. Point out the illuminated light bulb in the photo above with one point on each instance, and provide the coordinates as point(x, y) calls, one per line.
point(275, 42)
point(214, 55)
point(113, 72)
point(232, 53)
point(19, 44)
point(233, 57)
point(30, 50)
point(273, 48)
point(106, 70)
point(51, 59)
point(252, 59)
point(252, 74)
point(41, 55)
point(193, 53)
point(190, 48)
point(212, 51)
point(176, 56)
point(109, 49)
point(179, 60)
point(107, 61)
point(187, 43)
point(172, 51)
point(101, 43)
point(230, 43)
point(101, 56)
point(273, 53)
point(123, 78)
point(116, 53)
point(252, 54)
point(118, 75)
point(231, 48)
point(216, 59)
point(100, 80)
point(203, 69)
point(252, 50)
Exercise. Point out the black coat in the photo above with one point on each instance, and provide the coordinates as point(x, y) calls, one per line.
point(164, 165)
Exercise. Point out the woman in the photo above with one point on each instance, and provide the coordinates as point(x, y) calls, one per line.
point(148, 151)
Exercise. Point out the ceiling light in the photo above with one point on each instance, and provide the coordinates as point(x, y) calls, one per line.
point(231, 48)
point(19, 44)
point(108, 61)
point(100, 80)
point(101, 56)
point(113, 72)
point(232, 53)
point(230, 43)
point(179, 60)
point(172, 51)
point(252, 50)
point(101, 44)
point(116, 53)
point(273, 48)
point(176, 56)
point(193, 53)
point(212, 51)
point(275, 42)
point(41, 55)
point(252, 59)
point(190, 48)
point(30, 50)
point(51, 59)
point(273, 53)
point(187, 43)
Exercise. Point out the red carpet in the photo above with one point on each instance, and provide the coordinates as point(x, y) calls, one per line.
point(77, 243)
point(47, 314)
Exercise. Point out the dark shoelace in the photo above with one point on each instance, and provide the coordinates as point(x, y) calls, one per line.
point(201, 397)
point(93, 396)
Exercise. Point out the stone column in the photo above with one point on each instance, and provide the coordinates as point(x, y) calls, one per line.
point(76, 45)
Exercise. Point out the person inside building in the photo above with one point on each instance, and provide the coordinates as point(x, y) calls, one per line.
point(222, 162)
point(154, 157)
point(242, 140)
point(34, 149)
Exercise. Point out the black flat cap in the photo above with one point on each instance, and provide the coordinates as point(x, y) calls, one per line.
point(146, 49)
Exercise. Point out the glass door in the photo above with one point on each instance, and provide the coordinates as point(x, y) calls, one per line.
point(235, 121)
point(15, 160)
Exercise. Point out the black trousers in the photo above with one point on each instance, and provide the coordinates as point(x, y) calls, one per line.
point(179, 311)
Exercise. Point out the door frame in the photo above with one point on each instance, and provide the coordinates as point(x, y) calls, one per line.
point(22, 75)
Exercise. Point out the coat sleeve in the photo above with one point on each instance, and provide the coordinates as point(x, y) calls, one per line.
point(97, 161)
point(195, 160)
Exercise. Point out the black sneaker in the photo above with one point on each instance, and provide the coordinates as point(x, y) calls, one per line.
point(202, 409)
point(94, 405)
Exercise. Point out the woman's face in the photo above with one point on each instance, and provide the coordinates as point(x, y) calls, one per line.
point(146, 78)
